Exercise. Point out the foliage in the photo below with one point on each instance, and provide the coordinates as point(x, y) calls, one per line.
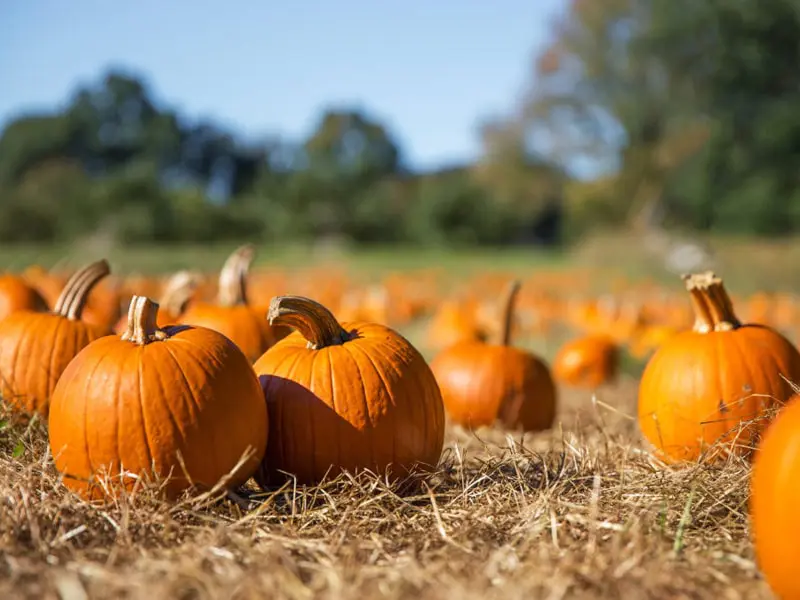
point(667, 113)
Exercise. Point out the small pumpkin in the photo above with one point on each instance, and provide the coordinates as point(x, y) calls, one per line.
point(345, 397)
point(181, 403)
point(702, 386)
point(36, 347)
point(231, 314)
point(588, 361)
point(16, 294)
point(482, 383)
point(774, 498)
point(178, 292)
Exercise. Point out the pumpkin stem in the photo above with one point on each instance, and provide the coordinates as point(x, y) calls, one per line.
point(508, 311)
point(142, 328)
point(712, 306)
point(314, 322)
point(178, 291)
point(233, 277)
point(73, 297)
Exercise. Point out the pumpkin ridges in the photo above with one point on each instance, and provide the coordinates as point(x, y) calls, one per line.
point(706, 389)
point(371, 398)
point(170, 393)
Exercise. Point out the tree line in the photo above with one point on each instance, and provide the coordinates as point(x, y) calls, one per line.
point(685, 112)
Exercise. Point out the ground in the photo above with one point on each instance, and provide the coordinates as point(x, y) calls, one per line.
point(583, 511)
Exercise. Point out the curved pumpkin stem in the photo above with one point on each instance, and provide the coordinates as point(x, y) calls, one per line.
point(314, 322)
point(73, 297)
point(233, 277)
point(508, 311)
point(142, 328)
point(713, 308)
point(178, 291)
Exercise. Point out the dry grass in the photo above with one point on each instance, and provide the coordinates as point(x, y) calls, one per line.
point(580, 513)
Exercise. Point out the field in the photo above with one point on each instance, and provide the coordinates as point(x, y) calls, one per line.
point(583, 511)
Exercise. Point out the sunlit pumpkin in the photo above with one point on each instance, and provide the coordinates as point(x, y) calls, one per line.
point(16, 294)
point(711, 385)
point(36, 347)
point(180, 403)
point(345, 397)
point(482, 383)
point(774, 499)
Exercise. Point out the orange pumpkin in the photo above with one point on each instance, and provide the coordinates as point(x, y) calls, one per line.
point(47, 283)
point(482, 383)
point(701, 387)
point(231, 315)
point(345, 397)
point(16, 294)
point(774, 498)
point(588, 362)
point(180, 403)
point(36, 347)
point(177, 293)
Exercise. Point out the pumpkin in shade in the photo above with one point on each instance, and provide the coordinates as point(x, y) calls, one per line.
point(588, 361)
point(36, 347)
point(177, 293)
point(180, 403)
point(705, 391)
point(346, 396)
point(482, 383)
point(231, 314)
point(16, 294)
point(774, 498)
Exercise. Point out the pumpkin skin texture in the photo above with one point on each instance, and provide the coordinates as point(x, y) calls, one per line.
point(16, 295)
point(231, 315)
point(774, 498)
point(701, 387)
point(345, 398)
point(36, 347)
point(483, 383)
point(163, 402)
point(587, 362)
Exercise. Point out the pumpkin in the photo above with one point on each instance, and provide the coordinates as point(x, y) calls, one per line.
point(774, 498)
point(346, 396)
point(36, 347)
point(48, 283)
point(179, 403)
point(704, 391)
point(588, 361)
point(177, 293)
point(231, 314)
point(483, 382)
point(16, 294)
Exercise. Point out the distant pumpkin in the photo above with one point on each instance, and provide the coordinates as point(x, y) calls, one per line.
point(483, 383)
point(589, 362)
point(180, 403)
point(231, 314)
point(36, 347)
point(345, 398)
point(706, 392)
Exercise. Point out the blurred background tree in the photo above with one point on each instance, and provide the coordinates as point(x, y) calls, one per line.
point(685, 112)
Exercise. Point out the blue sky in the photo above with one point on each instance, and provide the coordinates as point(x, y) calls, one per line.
point(429, 69)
